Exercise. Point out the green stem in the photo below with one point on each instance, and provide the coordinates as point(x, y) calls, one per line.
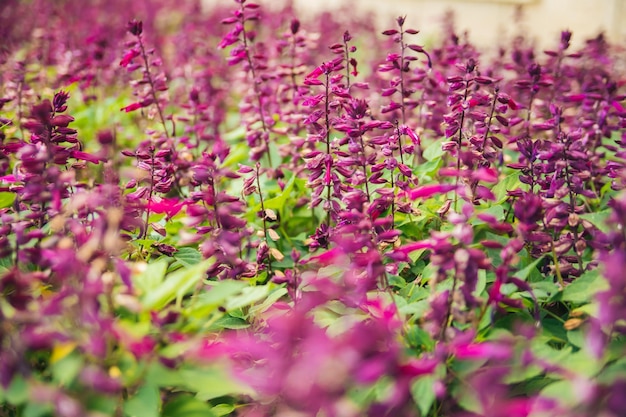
point(153, 93)
point(258, 183)
point(327, 122)
point(255, 83)
point(459, 145)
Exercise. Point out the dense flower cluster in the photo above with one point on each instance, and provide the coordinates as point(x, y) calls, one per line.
point(282, 222)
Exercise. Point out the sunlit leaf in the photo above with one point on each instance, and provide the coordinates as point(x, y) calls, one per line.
point(175, 285)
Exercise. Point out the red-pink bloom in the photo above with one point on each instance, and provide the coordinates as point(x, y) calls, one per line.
point(315, 73)
point(418, 367)
point(207, 350)
point(486, 175)
point(617, 106)
point(327, 177)
point(84, 156)
point(132, 107)
point(328, 257)
point(384, 311)
point(411, 134)
point(169, 206)
point(402, 253)
point(128, 57)
point(143, 347)
point(482, 351)
point(429, 190)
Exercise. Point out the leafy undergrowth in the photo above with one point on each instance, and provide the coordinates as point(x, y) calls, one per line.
point(203, 216)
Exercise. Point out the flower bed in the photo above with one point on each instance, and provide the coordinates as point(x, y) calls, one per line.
point(203, 216)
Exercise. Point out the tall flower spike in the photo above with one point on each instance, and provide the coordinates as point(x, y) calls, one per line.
point(400, 63)
point(253, 58)
point(150, 89)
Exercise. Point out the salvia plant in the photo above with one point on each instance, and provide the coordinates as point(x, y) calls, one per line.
point(245, 212)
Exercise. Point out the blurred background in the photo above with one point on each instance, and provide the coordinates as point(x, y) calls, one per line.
point(488, 22)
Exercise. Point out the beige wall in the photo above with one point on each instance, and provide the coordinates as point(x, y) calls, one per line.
point(491, 21)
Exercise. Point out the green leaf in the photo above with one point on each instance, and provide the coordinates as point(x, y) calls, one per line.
point(269, 301)
point(582, 363)
point(211, 383)
point(433, 151)
point(163, 377)
point(229, 322)
point(396, 281)
point(416, 255)
point(525, 272)
point(545, 352)
point(210, 300)
point(418, 337)
point(223, 410)
point(5, 264)
point(65, 370)
point(151, 277)
point(102, 404)
point(176, 285)
point(576, 338)
point(468, 399)
point(6, 199)
point(34, 409)
point(423, 393)
point(17, 393)
point(187, 406)
point(496, 211)
point(588, 309)
point(248, 296)
point(236, 135)
point(188, 257)
point(545, 290)
point(562, 391)
point(510, 182)
point(583, 288)
point(416, 310)
point(426, 172)
point(280, 201)
point(554, 330)
point(523, 373)
point(239, 152)
point(613, 372)
point(341, 324)
point(481, 284)
point(598, 219)
point(145, 403)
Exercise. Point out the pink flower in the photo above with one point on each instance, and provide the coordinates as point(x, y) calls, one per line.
point(328, 257)
point(327, 177)
point(482, 351)
point(132, 107)
point(169, 206)
point(402, 253)
point(411, 134)
point(128, 57)
point(143, 347)
point(84, 156)
point(315, 73)
point(486, 175)
point(429, 190)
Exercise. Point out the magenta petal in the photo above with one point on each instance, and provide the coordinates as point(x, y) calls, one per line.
point(84, 156)
point(486, 175)
point(482, 351)
point(401, 253)
point(429, 190)
point(169, 206)
point(327, 257)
